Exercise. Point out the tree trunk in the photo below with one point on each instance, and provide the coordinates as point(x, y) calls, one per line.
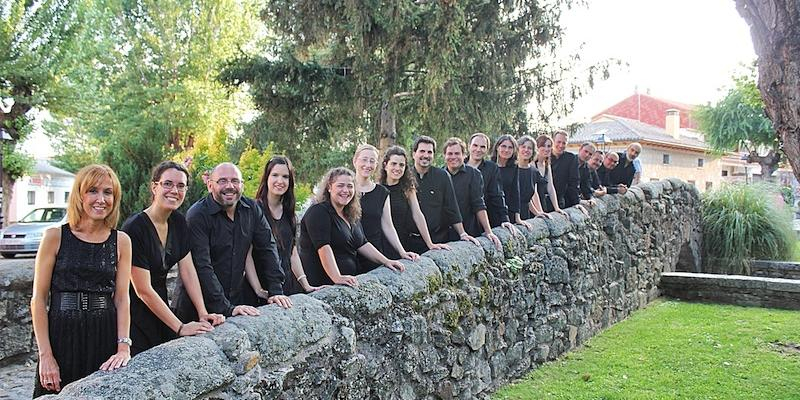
point(769, 163)
point(388, 129)
point(775, 28)
point(8, 193)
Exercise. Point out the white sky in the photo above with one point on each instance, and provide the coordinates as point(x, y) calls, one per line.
point(681, 50)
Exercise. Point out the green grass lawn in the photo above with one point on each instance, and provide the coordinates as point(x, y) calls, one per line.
point(678, 350)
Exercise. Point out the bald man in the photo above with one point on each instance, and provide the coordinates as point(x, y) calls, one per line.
point(224, 225)
point(610, 162)
point(625, 170)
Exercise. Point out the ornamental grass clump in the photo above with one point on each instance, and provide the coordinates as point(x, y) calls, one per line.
point(743, 223)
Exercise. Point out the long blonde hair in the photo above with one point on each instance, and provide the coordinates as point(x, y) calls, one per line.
point(353, 209)
point(88, 177)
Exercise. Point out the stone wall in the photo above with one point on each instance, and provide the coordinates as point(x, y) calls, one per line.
point(456, 324)
point(775, 269)
point(739, 290)
point(16, 281)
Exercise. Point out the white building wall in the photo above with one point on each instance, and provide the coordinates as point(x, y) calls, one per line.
point(40, 185)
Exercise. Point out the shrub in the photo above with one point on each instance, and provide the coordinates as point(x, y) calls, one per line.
point(744, 222)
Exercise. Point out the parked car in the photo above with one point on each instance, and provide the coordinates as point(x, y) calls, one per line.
point(24, 236)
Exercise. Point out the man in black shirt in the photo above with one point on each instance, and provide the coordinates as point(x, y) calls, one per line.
point(624, 171)
point(224, 226)
point(437, 199)
point(468, 187)
point(594, 163)
point(584, 154)
point(493, 194)
point(566, 178)
point(604, 173)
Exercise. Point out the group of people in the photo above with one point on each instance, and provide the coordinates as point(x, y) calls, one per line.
point(100, 294)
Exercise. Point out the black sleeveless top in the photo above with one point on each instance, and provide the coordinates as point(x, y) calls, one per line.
point(83, 266)
point(526, 190)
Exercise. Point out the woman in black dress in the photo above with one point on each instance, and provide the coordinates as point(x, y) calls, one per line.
point(84, 268)
point(544, 186)
point(504, 154)
point(398, 179)
point(160, 239)
point(529, 180)
point(331, 237)
point(376, 212)
point(275, 195)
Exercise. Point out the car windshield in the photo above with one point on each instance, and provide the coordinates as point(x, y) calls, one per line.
point(44, 215)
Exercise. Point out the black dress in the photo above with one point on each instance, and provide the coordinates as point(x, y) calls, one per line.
point(147, 330)
point(322, 226)
point(402, 221)
point(541, 187)
point(284, 239)
point(509, 177)
point(372, 203)
point(526, 190)
point(82, 340)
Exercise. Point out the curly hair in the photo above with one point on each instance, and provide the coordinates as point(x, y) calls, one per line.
point(408, 184)
point(353, 209)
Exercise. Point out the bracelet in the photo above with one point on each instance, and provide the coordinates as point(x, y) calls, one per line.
point(179, 330)
point(299, 278)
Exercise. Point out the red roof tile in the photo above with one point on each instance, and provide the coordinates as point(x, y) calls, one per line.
point(650, 110)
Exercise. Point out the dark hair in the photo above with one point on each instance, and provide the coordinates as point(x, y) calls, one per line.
point(500, 140)
point(408, 184)
point(162, 167)
point(353, 209)
point(541, 140)
point(527, 139)
point(287, 200)
point(453, 141)
point(159, 169)
point(423, 139)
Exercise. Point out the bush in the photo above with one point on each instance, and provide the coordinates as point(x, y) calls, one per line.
point(742, 223)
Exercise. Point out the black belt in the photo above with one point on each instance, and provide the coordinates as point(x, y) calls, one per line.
point(84, 301)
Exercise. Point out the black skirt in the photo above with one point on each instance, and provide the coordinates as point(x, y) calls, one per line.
point(81, 341)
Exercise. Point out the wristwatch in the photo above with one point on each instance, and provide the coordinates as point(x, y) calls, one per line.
point(125, 340)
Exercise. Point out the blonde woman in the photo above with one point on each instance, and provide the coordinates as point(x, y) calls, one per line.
point(84, 267)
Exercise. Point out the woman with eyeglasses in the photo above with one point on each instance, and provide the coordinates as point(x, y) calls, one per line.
point(504, 154)
point(79, 304)
point(160, 239)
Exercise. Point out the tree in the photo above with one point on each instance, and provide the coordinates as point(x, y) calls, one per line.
point(36, 38)
point(148, 84)
point(740, 121)
point(343, 72)
point(775, 29)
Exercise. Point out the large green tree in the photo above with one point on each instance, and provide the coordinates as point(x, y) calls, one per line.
point(739, 121)
point(343, 72)
point(775, 29)
point(149, 87)
point(36, 41)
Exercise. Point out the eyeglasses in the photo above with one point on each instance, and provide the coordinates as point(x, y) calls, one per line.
point(169, 185)
point(226, 181)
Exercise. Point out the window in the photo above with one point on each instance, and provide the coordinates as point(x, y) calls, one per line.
point(31, 197)
point(66, 197)
point(700, 162)
point(692, 183)
point(725, 173)
point(51, 197)
point(666, 159)
point(709, 186)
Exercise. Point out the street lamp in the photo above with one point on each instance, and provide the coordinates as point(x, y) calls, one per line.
point(602, 140)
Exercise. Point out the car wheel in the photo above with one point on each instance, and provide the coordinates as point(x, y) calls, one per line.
point(8, 255)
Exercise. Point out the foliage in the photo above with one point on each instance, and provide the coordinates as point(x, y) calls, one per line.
point(744, 222)
point(738, 117)
point(252, 163)
point(676, 350)
point(145, 85)
point(206, 154)
point(339, 73)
